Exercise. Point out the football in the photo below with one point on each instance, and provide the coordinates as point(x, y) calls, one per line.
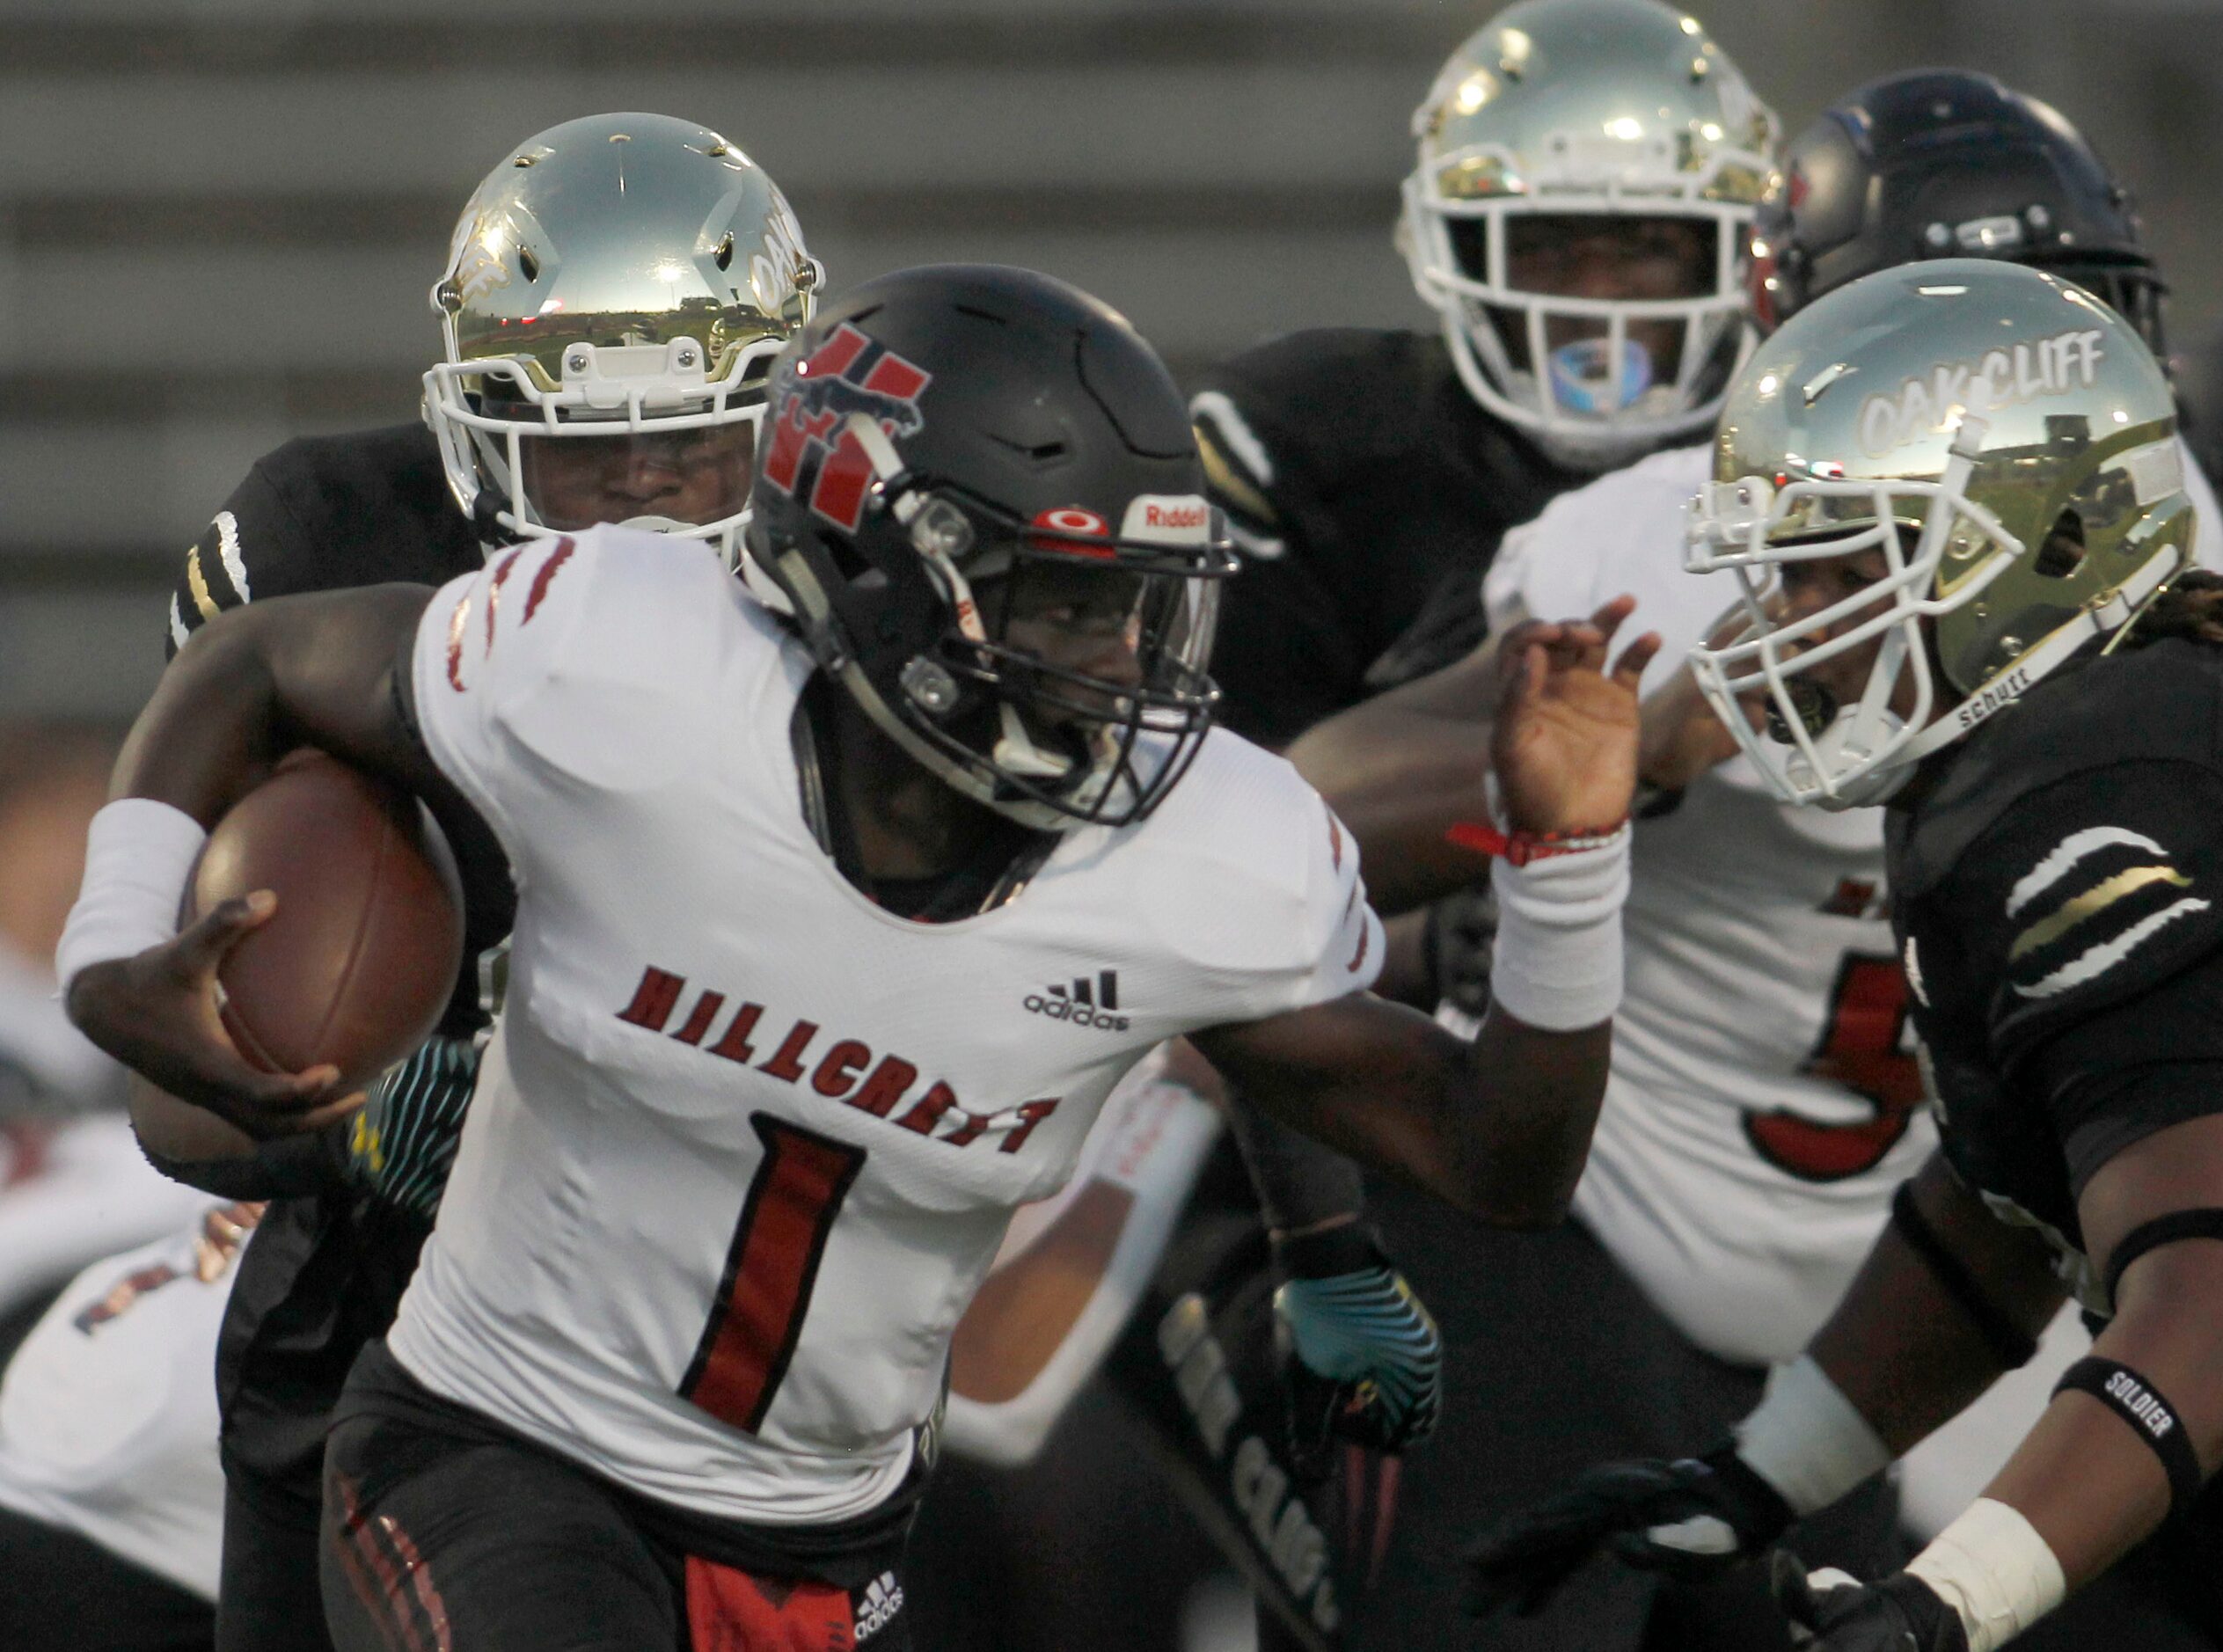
point(357, 963)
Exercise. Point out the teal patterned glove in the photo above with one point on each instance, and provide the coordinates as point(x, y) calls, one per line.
point(404, 1140)
point(1364, 1360)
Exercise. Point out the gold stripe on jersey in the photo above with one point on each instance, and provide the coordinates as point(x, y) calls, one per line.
point(1230, 484)
point(2092, 901)
point(199, 586)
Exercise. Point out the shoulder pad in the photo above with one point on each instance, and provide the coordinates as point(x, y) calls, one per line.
point(1331, 396)
point(601, 652)
point(2155, 704)
point(1250, 874)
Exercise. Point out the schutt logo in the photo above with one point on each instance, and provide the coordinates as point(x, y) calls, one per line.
point(812, 457)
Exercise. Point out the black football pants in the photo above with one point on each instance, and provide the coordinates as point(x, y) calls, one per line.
point(434, 1543)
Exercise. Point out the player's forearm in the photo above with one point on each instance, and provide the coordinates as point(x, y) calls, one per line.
point(2083, 1477)
point(1908, 1349)
point(1302, 1187)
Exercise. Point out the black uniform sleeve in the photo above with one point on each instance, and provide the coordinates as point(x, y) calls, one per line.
point(2095, 912)
point(1287, 655)
point(245, 552)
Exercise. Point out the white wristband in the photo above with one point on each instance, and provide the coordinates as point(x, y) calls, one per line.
point(1806, 1439)
point(138, 854)
point(1991, 1568)
point(1557, 960)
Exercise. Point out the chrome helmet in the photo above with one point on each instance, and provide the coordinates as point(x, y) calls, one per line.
point(1558, 111)
point(615, 293)
point(1999, 444)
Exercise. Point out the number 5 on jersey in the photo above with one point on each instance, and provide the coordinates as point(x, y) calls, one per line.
point(769, 1269)
point(1863, 1047)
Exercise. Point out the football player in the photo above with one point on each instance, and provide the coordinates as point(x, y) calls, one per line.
point(1577, 216)
point(669, 1358)
point(108, 1471)
point(614, 293)
point(1954, 502)
point(1765, 1104)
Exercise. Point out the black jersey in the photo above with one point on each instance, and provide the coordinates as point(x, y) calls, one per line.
point(1368, 492)
point(325, 1273)
point(2058, 898)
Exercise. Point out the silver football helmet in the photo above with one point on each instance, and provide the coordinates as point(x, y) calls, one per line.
point(1968, 469)
point(1560, 117)
point(615, 293)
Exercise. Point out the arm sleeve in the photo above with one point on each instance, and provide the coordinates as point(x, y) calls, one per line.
point(251, 548)
point(1286, 657)
point(2094, 910)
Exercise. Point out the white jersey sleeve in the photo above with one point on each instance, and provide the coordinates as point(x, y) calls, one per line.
point(1621, 533)
point(565, 664)
point(1255, 884)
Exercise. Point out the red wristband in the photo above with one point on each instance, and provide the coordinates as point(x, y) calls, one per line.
point(1519, 848)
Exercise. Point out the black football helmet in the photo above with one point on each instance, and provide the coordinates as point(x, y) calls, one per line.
point(953, 449)
point(1942, 163)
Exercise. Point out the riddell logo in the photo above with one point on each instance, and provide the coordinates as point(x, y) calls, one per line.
point(883, 1599)
point(1174, 515)
point(1084, 1002)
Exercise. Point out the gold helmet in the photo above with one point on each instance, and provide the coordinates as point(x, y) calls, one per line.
point(615, 293)
point(1996, 439)
point(1562, 111)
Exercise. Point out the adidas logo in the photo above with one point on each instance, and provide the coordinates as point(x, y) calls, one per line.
point(883, 1599)
point(1085, 1003)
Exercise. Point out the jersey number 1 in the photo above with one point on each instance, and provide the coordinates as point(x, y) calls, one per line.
point(1861, 1048)
point(769, 1269)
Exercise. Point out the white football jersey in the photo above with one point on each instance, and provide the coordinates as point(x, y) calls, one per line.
point(108, 1413)
point(745, 1142)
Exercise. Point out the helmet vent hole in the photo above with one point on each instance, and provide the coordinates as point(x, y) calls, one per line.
point(724, 256)
point(528, 263)
point(981, 315)
point(1041, 454)
point(2063, 552)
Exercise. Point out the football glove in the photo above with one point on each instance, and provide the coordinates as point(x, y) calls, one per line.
point(402, 1143)
point(1361, 1357)
point(1691, 1520)
point(1833, 1612)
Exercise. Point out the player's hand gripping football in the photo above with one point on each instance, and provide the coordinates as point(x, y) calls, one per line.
point(1690, 1519)
point(1832, 1612)
point(1564, 747)
point(157, 1013)
point(1362, 1357)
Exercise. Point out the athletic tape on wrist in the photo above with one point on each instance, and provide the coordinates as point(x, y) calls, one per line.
point(2008, 1342)
point(1556, 963)
point(1995, 1571)
point(138, 854)
point(1806, 1439)
point(2152, 1418)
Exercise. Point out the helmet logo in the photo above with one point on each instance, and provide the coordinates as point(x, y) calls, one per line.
point(811, 400)
point(1068, 528)
point(2003, 378)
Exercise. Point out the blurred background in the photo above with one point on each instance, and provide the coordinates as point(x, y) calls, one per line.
point(219, 218)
